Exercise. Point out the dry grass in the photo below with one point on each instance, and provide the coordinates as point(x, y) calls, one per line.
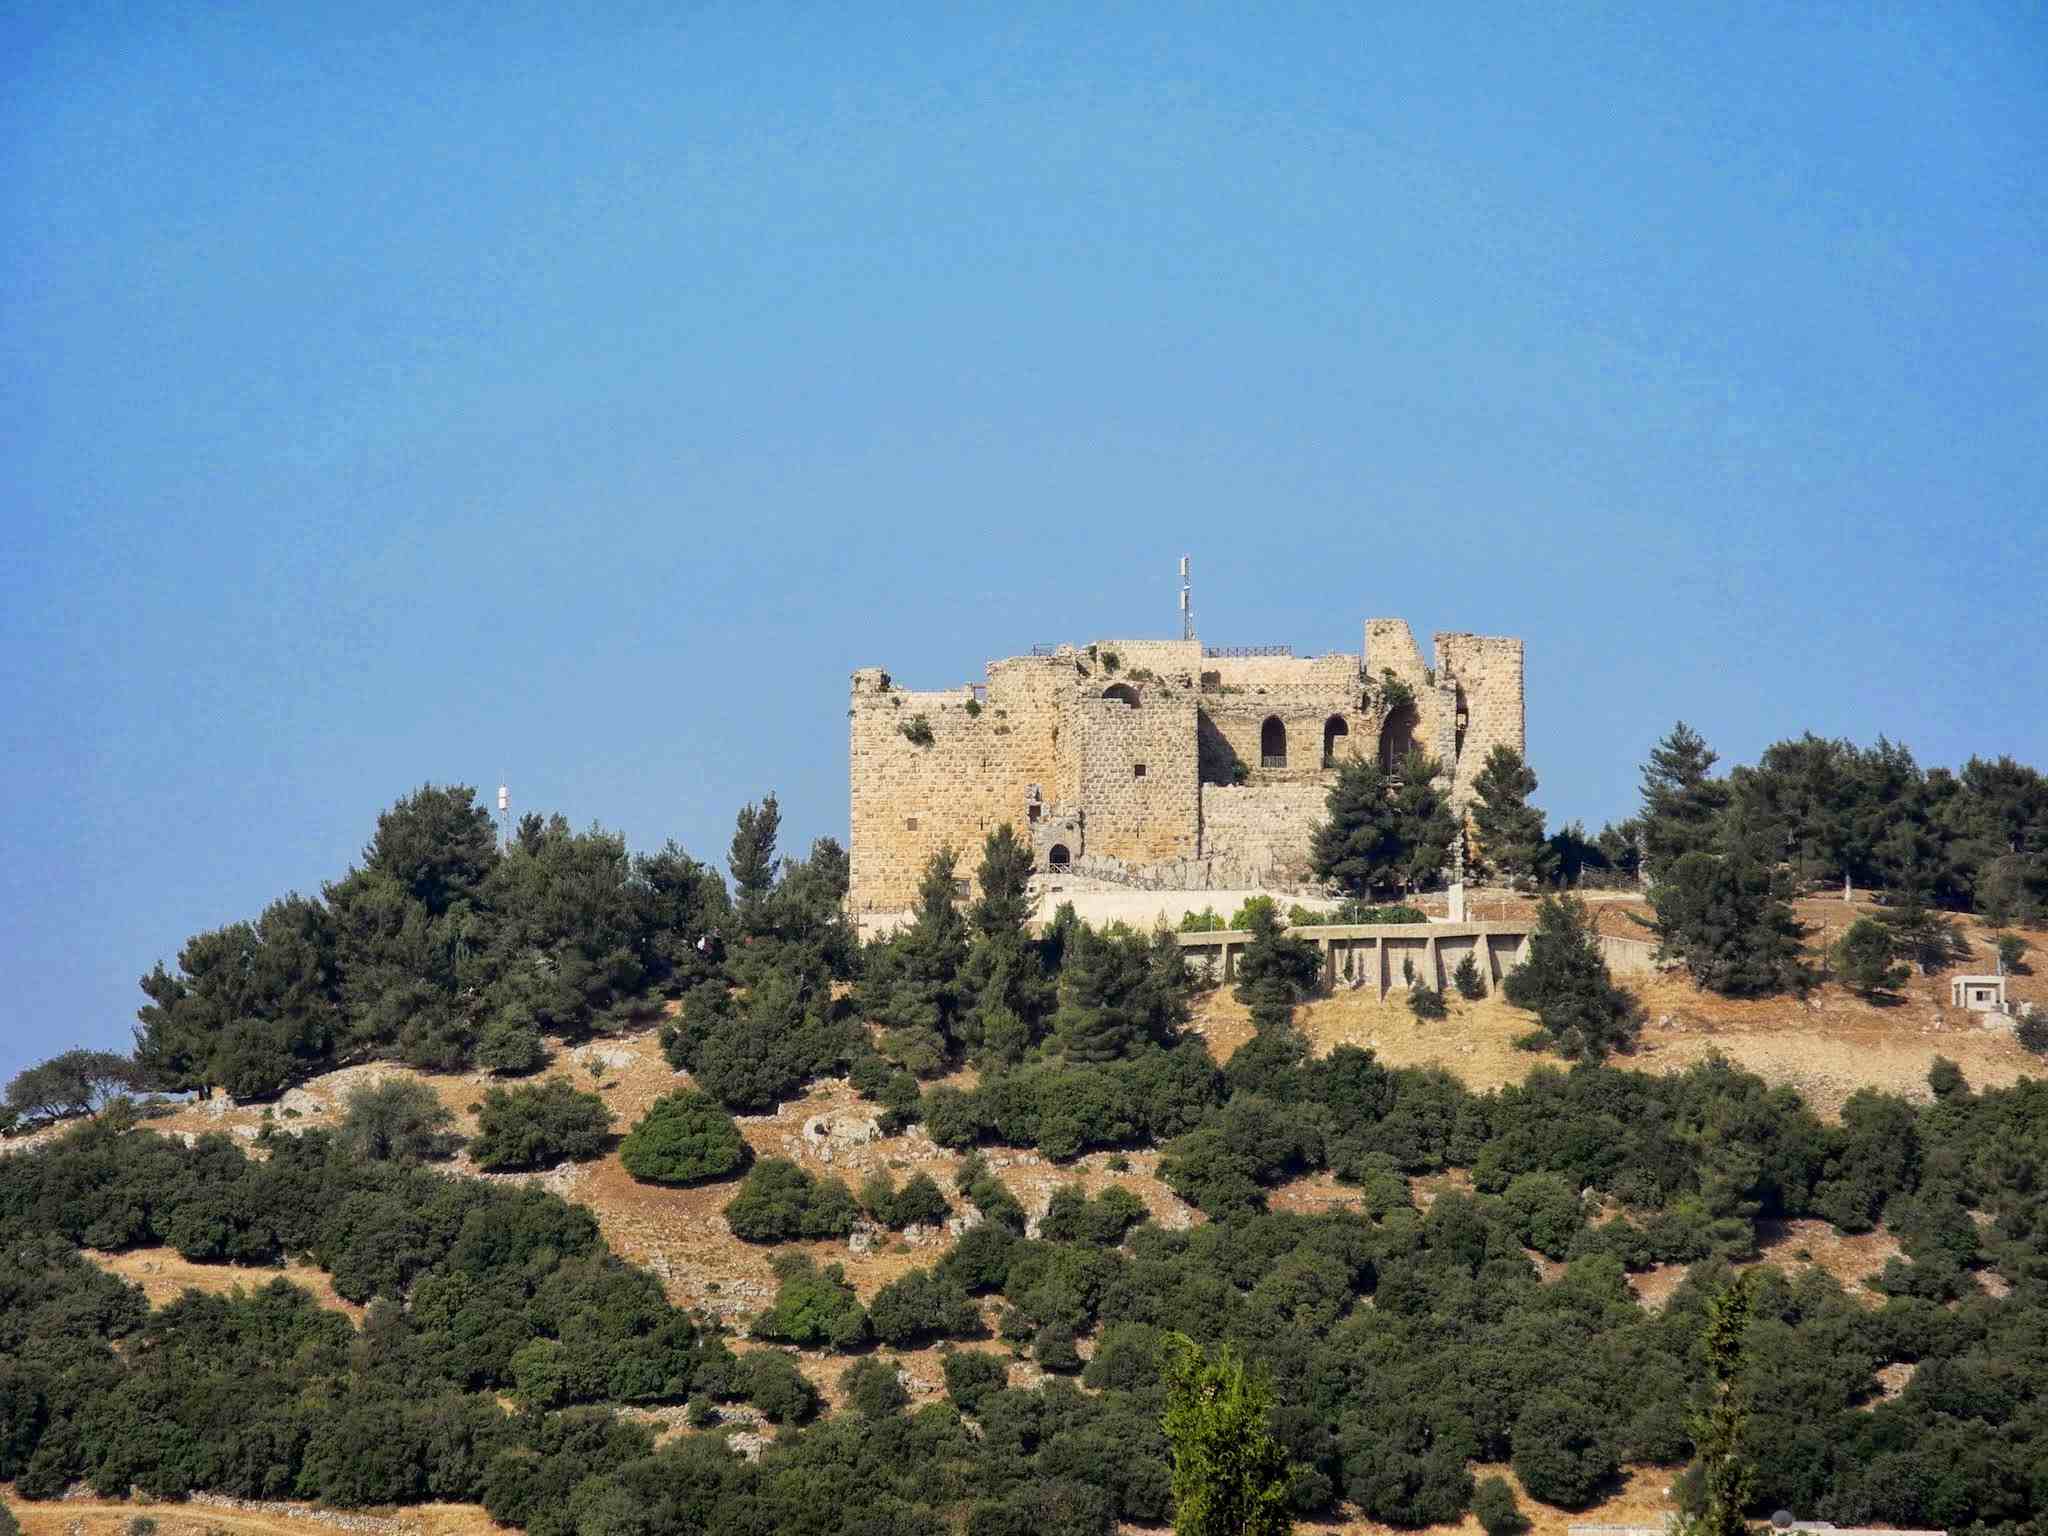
point(164, 1277)
point(104, 1517)
point(1827, 1045)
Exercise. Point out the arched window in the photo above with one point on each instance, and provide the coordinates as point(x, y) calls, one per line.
point(1397, 737)
point(1123, 691)
point(1272, 743)
point(1057, 858)
point(1334, 733)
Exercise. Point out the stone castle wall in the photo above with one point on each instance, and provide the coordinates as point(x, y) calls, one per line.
point(1263, 828)
point(1053, 745)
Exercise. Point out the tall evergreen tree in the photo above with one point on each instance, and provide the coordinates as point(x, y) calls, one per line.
point(1682, 801)
point(1566, 984)
point(912, 983)
point(1359, 846)
point(1423, 821)
point(1230, 1476)
point(1727, 917)
point(1510, 830)
point(752, 855)
point(1725, 1482)
point(1005, 973)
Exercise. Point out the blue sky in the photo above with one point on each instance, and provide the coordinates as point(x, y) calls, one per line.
point(574, 395)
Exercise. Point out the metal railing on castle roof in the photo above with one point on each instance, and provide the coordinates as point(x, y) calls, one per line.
point(1239, 652)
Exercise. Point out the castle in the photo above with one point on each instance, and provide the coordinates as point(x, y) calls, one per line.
point(1158, 762)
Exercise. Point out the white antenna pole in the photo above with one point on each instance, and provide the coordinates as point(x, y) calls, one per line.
point(1187, 610)
point(505, 816)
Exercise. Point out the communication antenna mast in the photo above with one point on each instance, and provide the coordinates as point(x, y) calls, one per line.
point(1187, 610)
point(505, 816)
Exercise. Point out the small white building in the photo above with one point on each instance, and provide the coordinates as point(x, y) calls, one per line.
point(1978, 994)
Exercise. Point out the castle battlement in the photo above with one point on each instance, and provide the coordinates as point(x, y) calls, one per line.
point(1201, 767)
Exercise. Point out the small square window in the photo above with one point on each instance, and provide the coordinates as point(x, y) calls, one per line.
point(910, 823)
point(1138, 771)
point(962, 890)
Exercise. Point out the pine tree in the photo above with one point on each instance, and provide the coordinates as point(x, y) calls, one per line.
point(752, 858)
point(1727, 917)
point(1423, 823)
point(1681, 801)
point(1004, 906)
point(1725, 1483)
point(1359, 847)
point(1510, 830)
point(1566, 984)
point(1230, 1476)
point(912, 985)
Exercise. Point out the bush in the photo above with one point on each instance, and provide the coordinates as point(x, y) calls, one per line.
point(397, 1120)
point(1562, 1454)
point(1494, 1506)
point(1073, 1217)
point(1427, 1003)
point(2012, 953)
point(920, 1203)
point(685, 1138)
point(1053, 1348)
point(1205, 921)
point(778, 1200)
point(510, 1047)
point(972, 1375)
point(874, 1387)
point(1470, 984)
point(813, 1306)
point(1544, 1211)
point(539, 1126)
point(1865, 959)
point(917, 730)
point(2032, 1032)
point(921, 1306)
point(776, 1387)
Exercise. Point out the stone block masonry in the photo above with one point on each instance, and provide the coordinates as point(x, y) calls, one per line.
point(1154, 757)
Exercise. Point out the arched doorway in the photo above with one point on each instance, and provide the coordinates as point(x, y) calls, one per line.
point(1335, 734)
point(1397, 737)
point(1123, 691)
point(1057, 857)
point(1272, 743)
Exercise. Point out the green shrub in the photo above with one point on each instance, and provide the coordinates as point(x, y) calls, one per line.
point(776, 1387)
point(1054, 1350)
point(1427, 1003)
point(813, 1306)
point(919, 1203)
point(1494, 1506)
point(1470, 984)
point(972, 1375)
point(1562, 1453)
point(397, 1120)
point(2032, 1032)
point(1865, 959)
point(1205, 921)
point(875, 1387)
point(2012, 953)
point(685, 1138)
point(917, 730)
point(510, 1047)
point(1244, 916)
point(539, 1126)
point(778, 1200)
point(920, 1306)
